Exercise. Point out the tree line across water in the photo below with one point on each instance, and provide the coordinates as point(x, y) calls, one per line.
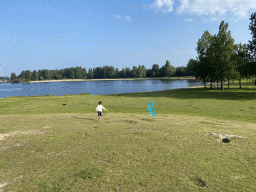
point(219, 59)
point(166, 70)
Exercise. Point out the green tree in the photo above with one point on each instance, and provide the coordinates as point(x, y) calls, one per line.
point(84, 73)
point(28, 75)
point(56, 74)
point(139, 72)
point(144, 71)
point(22, 75)
point(117, 73)
point(40, 75)
point(202, 67)
point(155, 70)
point(211, 62)
point(105, 71)
point(251, 47)
point(161, 72)
point(78, 72)
point(239, 60)
point(35, 75)
point(180, 71)
point(128, 72)
point(67, 73)
point(46, 74)
point(223, 47)
point(149, 73)
point(252, 44)
point(13, 77)
point(111, 72)
point(90, 74)
point(98, 73)
point(122, 73)
point(51, 72)
point(134, 71)
point(72, 73)
point(169, 70)
point(190, 67)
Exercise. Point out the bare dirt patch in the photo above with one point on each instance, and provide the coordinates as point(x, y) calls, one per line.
point(2, 185)
point(32, 132)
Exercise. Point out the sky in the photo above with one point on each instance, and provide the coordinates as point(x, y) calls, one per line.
point(58, 34)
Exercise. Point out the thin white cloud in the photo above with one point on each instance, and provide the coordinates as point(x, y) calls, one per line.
point(189, 20)
point(127, 18)
point(162, 5)
point(118, 16)
point(216, 7)
point(210, 19)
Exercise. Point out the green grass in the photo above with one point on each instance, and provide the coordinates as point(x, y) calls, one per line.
point(48, 146)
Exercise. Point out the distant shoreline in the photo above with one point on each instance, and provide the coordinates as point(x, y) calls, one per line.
point(66, 80)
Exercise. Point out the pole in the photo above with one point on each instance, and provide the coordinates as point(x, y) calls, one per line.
point(2, 69)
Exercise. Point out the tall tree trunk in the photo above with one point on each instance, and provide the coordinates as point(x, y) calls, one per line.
point(228, 83)
point(222, 84)
point(240, 82)
point(217, 84)
point(211, 84)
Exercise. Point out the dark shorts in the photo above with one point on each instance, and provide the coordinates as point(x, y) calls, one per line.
point(99, 113)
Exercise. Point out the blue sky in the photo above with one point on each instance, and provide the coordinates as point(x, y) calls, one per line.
point(57, 34)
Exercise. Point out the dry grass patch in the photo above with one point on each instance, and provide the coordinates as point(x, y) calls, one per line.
point(125, 152)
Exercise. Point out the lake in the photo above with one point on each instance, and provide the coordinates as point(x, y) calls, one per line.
point(100, 87)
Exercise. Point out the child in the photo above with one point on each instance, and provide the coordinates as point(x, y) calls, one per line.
point(99, 109)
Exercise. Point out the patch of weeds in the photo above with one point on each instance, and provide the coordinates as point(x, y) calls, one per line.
point(149, 119)
point(96, 127)
point(39, 149)
point(44, 186)
point(84, 94)
point(48, 95)
point(209, 123)
point(199, 182)
point(17, 97)
point(130, 121)
point(89, 173)
point(137, 133)
point(2, 131)
point(61, 184)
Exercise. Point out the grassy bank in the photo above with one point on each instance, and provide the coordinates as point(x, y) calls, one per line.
point(48, 146)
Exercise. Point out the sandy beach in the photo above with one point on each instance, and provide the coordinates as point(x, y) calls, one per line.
point(65, 80)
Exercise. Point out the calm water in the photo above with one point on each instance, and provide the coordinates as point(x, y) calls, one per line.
point(92, 87)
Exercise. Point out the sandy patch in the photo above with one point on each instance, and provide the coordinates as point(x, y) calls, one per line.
point(32, 132)
point(2, 185)
point(65, 80)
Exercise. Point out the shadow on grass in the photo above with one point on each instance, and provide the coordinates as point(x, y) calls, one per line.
point(199, 93)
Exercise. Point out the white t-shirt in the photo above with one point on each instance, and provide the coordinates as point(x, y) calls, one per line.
point(99, 108)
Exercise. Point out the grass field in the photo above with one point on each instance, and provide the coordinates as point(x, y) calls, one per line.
point(48, 146)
